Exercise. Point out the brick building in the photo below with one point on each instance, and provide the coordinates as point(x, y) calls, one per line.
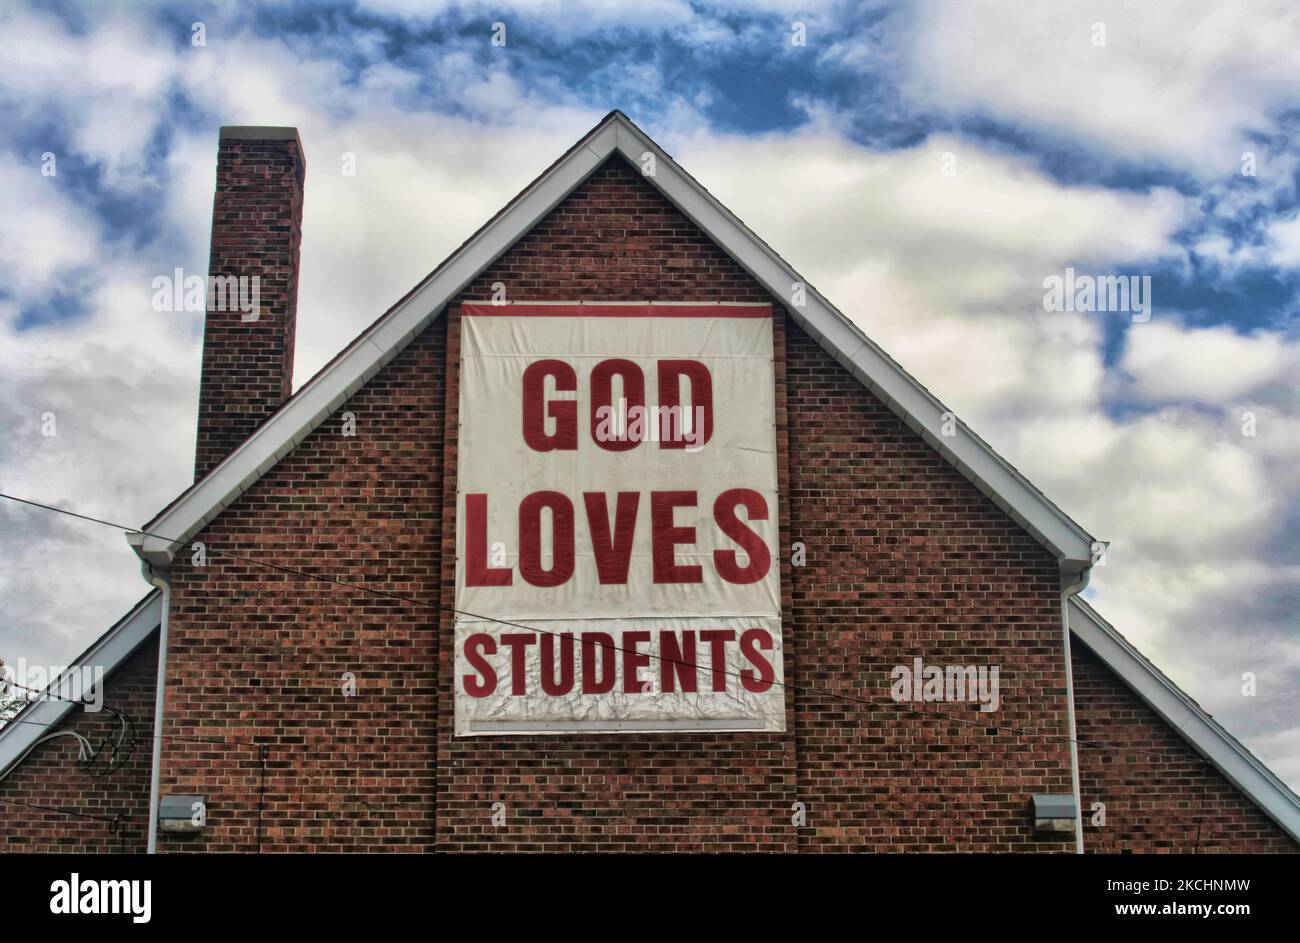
point(304, 625)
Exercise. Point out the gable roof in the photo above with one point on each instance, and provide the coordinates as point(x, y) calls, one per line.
point(1205, 734)
point(109, 652)
point(615, 134)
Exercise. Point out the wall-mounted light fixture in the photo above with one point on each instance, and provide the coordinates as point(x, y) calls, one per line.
point(1054, 813)
point(184, 814)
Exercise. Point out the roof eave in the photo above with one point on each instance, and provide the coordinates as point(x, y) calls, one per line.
point(1205, 735)
point(108, 651)
point(881, 374)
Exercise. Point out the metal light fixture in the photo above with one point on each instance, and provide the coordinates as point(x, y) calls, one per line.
point(1054, 813)
point(182, 814)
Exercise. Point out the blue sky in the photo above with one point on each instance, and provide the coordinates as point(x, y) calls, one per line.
point(740, 74)
point(1123, 156)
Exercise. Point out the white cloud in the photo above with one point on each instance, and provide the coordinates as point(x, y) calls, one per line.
point(1284, 235)
point(1188, 82)
point(1210, 365)
point(945, 273)
point(103, 86)
point(45, 234)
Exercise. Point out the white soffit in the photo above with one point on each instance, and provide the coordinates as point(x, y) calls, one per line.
point(1185, 716)
point(176, 525)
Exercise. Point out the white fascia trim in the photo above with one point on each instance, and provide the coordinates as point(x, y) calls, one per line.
point(916, 406)
point(109, 652)
point(1206, 736)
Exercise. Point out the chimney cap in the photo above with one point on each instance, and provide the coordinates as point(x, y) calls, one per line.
point(245, 132)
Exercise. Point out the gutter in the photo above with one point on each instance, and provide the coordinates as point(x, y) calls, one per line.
point(162, 579)
point(1066, 593)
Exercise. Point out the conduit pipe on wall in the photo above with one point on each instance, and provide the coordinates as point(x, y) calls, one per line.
point(161, 579)
point(1066, 593)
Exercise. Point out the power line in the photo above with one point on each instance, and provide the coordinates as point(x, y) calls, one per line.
point(169, 736)
point(116, 822)
point(437, 607)
point(112, 819)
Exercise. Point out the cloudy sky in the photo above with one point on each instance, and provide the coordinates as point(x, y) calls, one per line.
point(925, 165)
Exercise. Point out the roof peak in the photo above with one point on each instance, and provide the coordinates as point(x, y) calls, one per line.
point(616, 134)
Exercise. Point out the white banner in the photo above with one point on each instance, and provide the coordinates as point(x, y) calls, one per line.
point(617, 502)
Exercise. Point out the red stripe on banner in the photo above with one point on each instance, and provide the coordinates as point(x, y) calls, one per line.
point(485, 309)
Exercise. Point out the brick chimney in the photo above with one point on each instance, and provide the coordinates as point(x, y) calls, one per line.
point(252, 301)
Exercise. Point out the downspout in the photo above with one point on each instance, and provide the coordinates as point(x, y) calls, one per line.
point(161, 579)
point(1066, 593)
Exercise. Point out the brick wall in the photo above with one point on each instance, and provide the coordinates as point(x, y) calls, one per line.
point(256, 232)
point(49, 776)
point(260, 659)
point(935, 571)
point(1160, 796)
point(904, 559)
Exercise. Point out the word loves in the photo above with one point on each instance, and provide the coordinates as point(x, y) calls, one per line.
point(613, 536)
point(593, 663)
